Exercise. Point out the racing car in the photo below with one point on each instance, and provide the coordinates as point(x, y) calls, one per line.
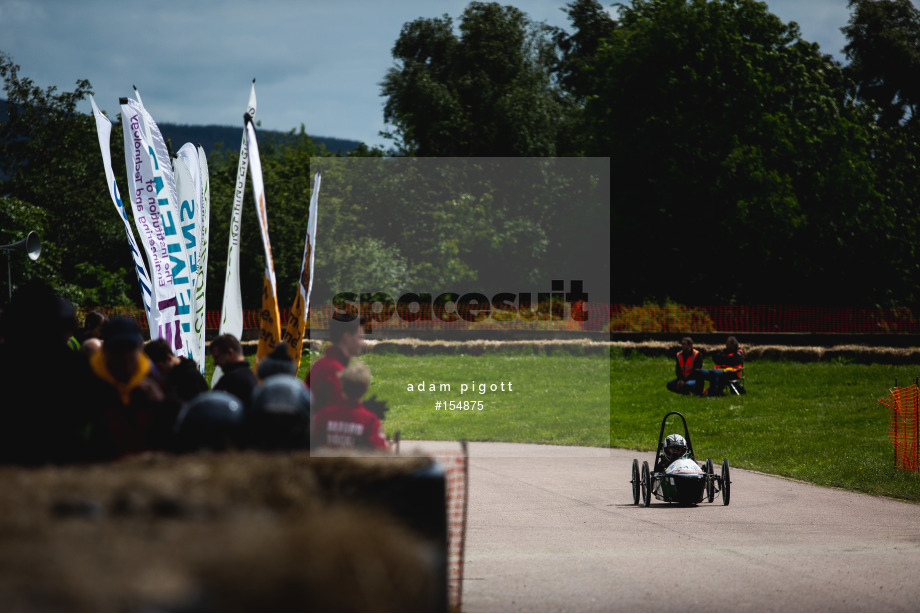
point(677, 477)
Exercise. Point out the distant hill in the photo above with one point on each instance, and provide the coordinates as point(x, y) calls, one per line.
point(210, 137)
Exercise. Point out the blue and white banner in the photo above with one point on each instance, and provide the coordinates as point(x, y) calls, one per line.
point(155, 221)
point(143, 203)
point(186, 171)
point(178, 232)
point(104, 132)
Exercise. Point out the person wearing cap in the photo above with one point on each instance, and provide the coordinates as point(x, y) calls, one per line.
point(136, 407)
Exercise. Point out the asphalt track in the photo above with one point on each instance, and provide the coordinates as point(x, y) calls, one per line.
point(553, 528)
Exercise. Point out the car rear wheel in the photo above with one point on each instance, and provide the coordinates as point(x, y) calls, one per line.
point(646, 485)
point(710, 481)
point(636, 486)
point(726, 483)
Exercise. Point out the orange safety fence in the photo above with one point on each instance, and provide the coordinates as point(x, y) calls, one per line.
point(457, 471)
point(904, 425)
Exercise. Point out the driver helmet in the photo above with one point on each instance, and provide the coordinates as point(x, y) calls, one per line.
point(675, 447)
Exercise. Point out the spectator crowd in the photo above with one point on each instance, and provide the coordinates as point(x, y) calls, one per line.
point(99, 392)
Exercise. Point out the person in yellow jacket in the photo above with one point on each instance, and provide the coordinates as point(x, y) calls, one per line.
point(688, 365)
point(136, 409)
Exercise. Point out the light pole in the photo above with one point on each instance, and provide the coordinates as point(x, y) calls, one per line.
point(31, 245)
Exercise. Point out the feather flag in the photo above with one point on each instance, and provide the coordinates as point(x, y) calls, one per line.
point(270, 319)
point(146, 207)
point(104, 132)
point(297, 322)
point(231, 311)
point(178, 225)
point(204, 221)
point(188, 191)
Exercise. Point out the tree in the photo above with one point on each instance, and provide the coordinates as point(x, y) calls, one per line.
point(733, 149)
point(487, 92)
point(884, 52)
point(50, 163)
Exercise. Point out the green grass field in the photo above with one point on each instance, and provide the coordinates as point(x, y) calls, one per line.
point(817, 422)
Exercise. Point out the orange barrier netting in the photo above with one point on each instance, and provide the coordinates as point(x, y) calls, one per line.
point(455, 466)
point(603, 317)
point(904, 425)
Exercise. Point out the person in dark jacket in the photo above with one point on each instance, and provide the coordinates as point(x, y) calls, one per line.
point(728, 365)
point(238, 377)
point(181, 373)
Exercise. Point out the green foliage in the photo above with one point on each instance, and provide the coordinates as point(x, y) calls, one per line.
point(463, 224)
point(732, 137)
point(655, 318)
point(487, 92)
point(96, 285)
point(366, 265)
point(50, 163)
point(884, 52)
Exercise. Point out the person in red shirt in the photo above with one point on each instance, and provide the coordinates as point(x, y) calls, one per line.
point(729, 363)
point(347, 339)
point(349, 425)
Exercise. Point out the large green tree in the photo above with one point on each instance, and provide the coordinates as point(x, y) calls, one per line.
point(488, 91)
point(740, 171)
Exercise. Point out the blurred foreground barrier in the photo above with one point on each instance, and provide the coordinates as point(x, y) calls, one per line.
point(223, 532)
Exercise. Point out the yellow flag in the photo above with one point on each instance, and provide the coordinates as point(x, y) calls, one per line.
point(270, 320)
point(297, 322)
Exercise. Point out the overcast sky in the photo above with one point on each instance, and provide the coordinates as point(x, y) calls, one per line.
point(315, 63)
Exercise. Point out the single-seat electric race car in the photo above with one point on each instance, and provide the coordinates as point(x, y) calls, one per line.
point(677, 477)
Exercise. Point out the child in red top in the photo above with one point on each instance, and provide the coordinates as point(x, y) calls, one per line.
point(349, 424)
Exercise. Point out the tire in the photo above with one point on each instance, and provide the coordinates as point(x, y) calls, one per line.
point(726, 483)
point(636, 485)
point(710, 481)
point(646, 485)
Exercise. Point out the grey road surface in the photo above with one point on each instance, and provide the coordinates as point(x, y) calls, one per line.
point(553, 528)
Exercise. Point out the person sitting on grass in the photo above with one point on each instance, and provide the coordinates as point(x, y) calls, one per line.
point(728, 365)
point(689, 363)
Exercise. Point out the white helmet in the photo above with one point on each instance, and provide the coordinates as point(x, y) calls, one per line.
point(675, 447)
